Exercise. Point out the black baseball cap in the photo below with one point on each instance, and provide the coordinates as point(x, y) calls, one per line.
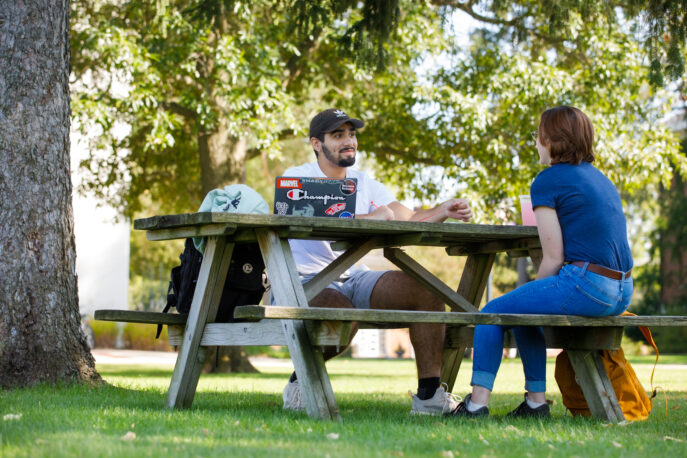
point(329, 120)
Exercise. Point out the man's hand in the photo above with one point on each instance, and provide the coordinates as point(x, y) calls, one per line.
point(382, 212)
point(457, 209)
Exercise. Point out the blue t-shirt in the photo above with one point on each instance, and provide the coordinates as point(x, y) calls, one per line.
point(589, 211)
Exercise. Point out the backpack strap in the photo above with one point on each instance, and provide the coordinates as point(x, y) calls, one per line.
point(646, 332)
point(170, 298)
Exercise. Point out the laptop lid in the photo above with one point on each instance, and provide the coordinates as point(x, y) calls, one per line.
point(306, 196)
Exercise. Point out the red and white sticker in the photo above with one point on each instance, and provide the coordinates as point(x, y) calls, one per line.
point(348, 187)
point(288, 183)
point(334, 209)
point(296, 194)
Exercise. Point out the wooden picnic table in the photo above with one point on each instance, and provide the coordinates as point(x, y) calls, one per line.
point(305, 329)
point(357, 237)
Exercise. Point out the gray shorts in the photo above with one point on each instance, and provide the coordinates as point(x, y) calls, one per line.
point(357, 288)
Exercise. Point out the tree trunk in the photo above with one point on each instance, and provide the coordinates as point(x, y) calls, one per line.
point(222, 157)
point(222, 162)
point(40, 335)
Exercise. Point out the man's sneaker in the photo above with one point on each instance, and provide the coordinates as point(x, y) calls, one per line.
point(293, 400)
point(440, 404)
point(461, 410)
point(525, 411)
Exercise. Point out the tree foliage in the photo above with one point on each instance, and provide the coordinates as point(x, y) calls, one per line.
point(241, 76)
point(472, 118)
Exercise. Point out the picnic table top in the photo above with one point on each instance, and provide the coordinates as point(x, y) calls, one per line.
point(447, 233)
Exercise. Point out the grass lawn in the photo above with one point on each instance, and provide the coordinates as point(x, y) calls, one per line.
point(242, 415)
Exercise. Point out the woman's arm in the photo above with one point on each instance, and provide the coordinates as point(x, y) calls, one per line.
point(551, 238)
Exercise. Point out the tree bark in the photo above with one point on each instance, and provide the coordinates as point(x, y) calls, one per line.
point(222, 157)
point(222, 162)
point(40, 335)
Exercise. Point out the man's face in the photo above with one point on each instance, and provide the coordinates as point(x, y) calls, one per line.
point(340, 146)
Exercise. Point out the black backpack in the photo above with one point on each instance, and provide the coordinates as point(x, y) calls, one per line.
point(245, 283)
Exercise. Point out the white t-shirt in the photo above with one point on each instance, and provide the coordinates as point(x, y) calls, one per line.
point(312, 256)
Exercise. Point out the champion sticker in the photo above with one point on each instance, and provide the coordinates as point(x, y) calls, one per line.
point(302, 194)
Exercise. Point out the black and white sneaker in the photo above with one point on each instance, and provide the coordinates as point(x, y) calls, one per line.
point(525, 411)
point(461, 410)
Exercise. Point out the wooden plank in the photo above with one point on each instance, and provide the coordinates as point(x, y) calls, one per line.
point(591, 375)
point(213, 272)
point(292, 232)
point(537, 255)
point(583, 338)
point(340, 265)
point(574, 338)
point(462, 318)
point(473, 281)
point(266, 332)
point(135, 316)
point(428, 280)
point(335, 229)
point(308, 362)
point(472, 284)
point(206, 230)
point(493, 247)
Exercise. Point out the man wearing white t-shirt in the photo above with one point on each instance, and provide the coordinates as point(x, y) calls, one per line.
point(333, 139)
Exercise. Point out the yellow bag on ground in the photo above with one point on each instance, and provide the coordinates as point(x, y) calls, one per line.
point(633, 400)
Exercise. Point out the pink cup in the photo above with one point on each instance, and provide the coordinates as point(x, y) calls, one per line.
point(526, 211)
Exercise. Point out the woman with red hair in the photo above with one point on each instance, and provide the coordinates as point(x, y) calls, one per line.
point(586, 268)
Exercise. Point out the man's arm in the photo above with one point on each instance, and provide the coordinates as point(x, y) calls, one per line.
point(551, 238)
point(452, 208)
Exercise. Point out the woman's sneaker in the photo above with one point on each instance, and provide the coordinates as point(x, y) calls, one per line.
point(461, 410)
point(293, 399)
point(440, 404)
point(525, 411)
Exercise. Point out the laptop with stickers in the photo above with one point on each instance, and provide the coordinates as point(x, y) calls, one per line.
point(306, 196)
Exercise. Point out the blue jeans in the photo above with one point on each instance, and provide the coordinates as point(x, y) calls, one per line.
point(574, 291)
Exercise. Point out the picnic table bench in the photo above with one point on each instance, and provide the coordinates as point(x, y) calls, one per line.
point(306, 329)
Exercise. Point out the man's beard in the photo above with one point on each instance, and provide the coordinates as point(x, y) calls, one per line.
point(341, 161)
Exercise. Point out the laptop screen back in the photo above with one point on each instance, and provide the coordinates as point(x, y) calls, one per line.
point(306, 196)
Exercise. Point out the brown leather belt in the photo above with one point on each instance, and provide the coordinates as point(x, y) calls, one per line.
point(605, 271)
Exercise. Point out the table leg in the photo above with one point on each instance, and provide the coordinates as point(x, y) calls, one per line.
point(213, 273)
point(591, 375)
point(473, 282)
point(308, 362)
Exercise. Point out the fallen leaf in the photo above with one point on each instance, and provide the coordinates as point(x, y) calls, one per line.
point(309, 430)
point(668, 438)
point(11, 416)
point(332, 436)
point(616, 444)
point(551, 446)
point(236, 423)
point(129, 436)
point(447, 453)
point(133, 425)
point(206, 431)
point(512, 428)
point(624, 423)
